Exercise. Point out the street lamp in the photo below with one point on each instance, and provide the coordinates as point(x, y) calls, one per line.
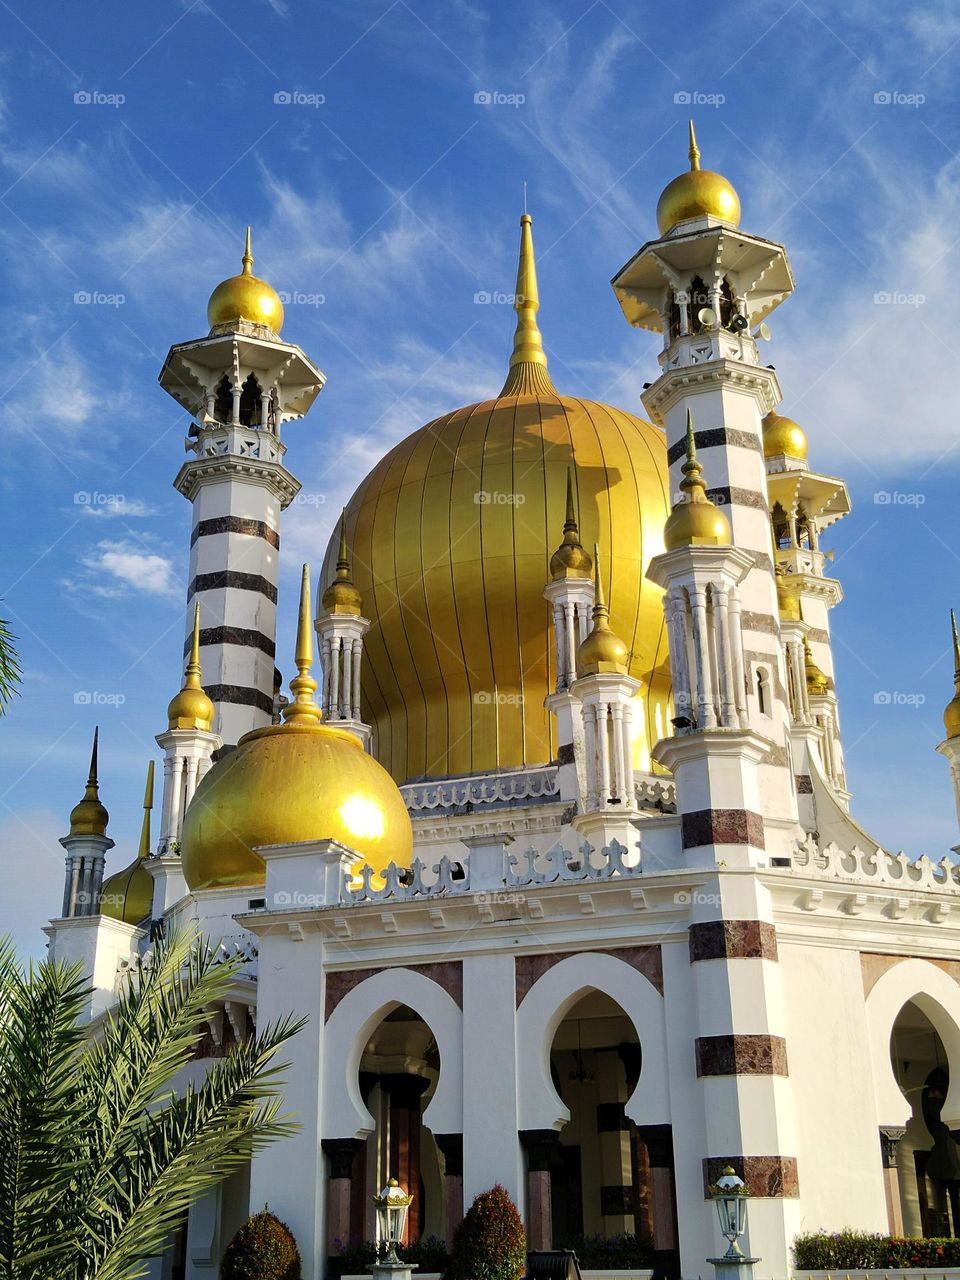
point(392, 1205)
point(730, 1195)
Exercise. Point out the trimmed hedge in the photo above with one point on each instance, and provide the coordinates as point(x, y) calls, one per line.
point(489, 1244)
point(863, 1251)
point(263, 1249)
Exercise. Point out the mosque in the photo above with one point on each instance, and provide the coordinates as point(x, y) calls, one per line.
point(557, 857)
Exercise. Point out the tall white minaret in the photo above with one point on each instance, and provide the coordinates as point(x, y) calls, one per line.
point(340, 630)
point(240, 383)
point(704, 284)
point(86, 847)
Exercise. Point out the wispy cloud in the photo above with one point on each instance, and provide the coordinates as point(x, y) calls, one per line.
point(117, 567)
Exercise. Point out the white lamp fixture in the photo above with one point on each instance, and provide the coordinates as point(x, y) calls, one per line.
point(730, 1195)
point(392, 1205)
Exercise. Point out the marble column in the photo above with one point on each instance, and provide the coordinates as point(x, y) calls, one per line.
point(540, 1146)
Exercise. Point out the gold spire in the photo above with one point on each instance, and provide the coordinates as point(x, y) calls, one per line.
point(570, 560)
point(191, 708)
point(303, 686)
point(144, 850)
point(817, 680)
point(528, 374)
point(247, 258)
point(695, 522)
point(951, 713)
point(342, 596)
point(602, 650)
point(693, 153)
point(89, 817)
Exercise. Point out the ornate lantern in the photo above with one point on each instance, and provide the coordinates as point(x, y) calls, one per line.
point(730, 1196)
point(392, 1205)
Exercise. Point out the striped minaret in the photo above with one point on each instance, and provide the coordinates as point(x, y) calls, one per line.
point(241, 384)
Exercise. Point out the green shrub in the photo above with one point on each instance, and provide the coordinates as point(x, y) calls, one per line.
point(263, 1249)
point(428, 1254)
point(608, 1253)
point(358, 1256)
point(862, 1251)
point(489, 1243)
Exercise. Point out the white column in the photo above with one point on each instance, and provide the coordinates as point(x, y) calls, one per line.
point(626, 720)
point(676, 606)
point(707, 718)
point(177, 805)
point(325, 661)
point(570, 665)
point(559, 637)
point(235, 418)
point(68, 882)
point(347, 684)
point(334, 677)
point(736, 655)
point(603, 737)
point(590, 751)
point(491, 1148)
point(357, 652)
point(619, 776)
point(191, 781)
point(728, 709)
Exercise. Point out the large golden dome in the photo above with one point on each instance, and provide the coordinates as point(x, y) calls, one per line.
point(451, 537)
point(696, 194)
point(302, 780)
point(245, 297)
point(782, 437)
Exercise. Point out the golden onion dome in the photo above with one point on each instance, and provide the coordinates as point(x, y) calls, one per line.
point(570, 560)
point(89, 817)
point(452, 535)
point(951, 713)
point(787, 602)
point(342, 597)
point(191, 708)
point(782, 437)
point(696, 194)
point(245, 297)
point(602, 649)
point(695, 522)
point(128, 894)
point(817, 681)
point(300, 780)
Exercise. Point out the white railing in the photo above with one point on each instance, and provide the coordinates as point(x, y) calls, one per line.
point(877, 867)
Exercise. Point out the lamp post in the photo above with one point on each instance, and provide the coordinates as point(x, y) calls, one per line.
point(392, 1205)
point(729, 1193)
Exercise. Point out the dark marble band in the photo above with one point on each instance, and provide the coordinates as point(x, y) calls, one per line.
point(804, 784)
point(721, 826)
point(232, 578)
point(236, 524)
point(565, 753)
point(725, 495)
point(714, 439)
point(759, 1055)
point(540, 1146)
point(772, 1177)
point(733, 940)
point(239, 695)
point(763, 622)
point(243, 636)
point(341, 1152)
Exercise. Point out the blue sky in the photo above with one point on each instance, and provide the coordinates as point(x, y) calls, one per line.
point(137, 141)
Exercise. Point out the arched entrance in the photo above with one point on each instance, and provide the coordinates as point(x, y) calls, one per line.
point(927, 1155)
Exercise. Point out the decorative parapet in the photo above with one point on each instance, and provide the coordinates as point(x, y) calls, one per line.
point(243, 945)
point(522, 786)
point(876, 867)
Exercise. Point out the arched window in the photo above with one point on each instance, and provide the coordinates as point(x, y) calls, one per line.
point(727, 306)
point(223, 405)
point(781, 526)
point(673, 313)
point(763, 691)
point(250, 402)
point(803, 528)
point(699, 298)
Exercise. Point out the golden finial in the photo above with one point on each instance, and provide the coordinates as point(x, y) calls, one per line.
point(303, 709)
point(695, 522)
point(89, 817)
point(144, 851)
point(951, 713)
point(528, 364)
point(342, 596)
point(570, 560)
point(817, 680)
point(248, 253)
point(694, 152)
point(602, 650)
point(191, 708)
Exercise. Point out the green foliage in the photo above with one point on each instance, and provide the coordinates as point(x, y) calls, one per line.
point(10, 672)
point(263, 1249)
point(862, 1251)
point(99, 1159)
point(609, 1253)
point(429, 1254)
point(489, 1243)
point(356, 1258)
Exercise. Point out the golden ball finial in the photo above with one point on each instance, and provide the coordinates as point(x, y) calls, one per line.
point(342, 596)
point(696, 194)
point(783, 438)
point(696, 522)
point(602, 650)
point(571, 559)
point(191, 708)
point(245, 297)
point(89, 817)
point(817, 681)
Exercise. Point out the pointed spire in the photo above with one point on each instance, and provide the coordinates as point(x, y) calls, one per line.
point(694, 520)
point(248, 256)
point(144, 851)
point(694, 152)
point(342, 596)
point(956, 654)
point(93, 783)
point(89, 817)
point(343, 564)
point(692, 482)
point(602, 650)
point(570, 560)
point(528, 364)
point(303, 709)
point(600, 609)
point(191, 708)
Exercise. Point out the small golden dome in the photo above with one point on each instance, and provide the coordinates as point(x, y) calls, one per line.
point(342, 596)
point(89, 817)
point(301, 780)
point(128, 894)
point(191, 708)
point(602, 650)
point(951, 713)
point(697, 193)
point(789, 604)
point(696, 522)
point(782, 437)
point(245, 297)
point(570, 560)
point(817, 681)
